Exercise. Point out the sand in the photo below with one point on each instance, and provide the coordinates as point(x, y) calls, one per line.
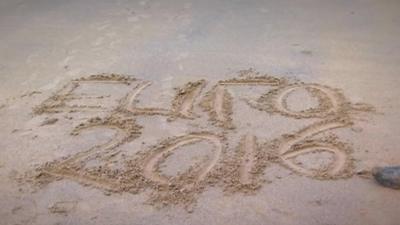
point(141, 171)
point(193, 113)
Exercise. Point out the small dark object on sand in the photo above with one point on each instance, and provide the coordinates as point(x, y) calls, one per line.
point(49, 122)
point(388, 176)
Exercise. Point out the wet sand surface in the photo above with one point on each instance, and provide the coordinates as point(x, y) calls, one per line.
point(198, 112)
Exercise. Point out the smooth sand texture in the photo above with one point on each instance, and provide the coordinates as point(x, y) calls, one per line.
point(285, 143)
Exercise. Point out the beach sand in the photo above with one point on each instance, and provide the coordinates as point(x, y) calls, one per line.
point(198, 112)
